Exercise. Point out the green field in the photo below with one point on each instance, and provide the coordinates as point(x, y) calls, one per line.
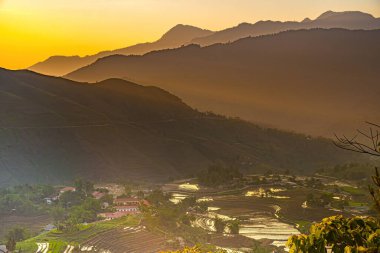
point(353, 190)
point(59, 240)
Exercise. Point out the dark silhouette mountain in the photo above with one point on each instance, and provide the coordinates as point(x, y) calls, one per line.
point(310, 81)
point(183, 34)
point(352, 20)
point(175, 37)
point(53, 129)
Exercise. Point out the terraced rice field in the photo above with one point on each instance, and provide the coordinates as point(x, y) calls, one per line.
point(34, 223)
point(42, 247)
point(260, 225)
point(125, 240)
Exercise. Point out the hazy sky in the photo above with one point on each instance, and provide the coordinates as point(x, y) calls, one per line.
point(32, 30)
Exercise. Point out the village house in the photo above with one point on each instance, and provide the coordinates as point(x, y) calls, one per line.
point(98, 195)
point(111, 216)
point(50, 200)
point(127, 201)
point(128, 209)
point(124, 207)
point(67, 189)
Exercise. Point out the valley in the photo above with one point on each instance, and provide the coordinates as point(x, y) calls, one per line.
point(254, 211)
point(202, 126)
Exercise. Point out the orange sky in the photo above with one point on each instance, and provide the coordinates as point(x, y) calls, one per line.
point(32, 30)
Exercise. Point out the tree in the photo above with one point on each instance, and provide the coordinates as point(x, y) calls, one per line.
point(219, 225)
point(84, 186)
point(68, 199)
point(11, 244)
point(217, 175)
point(18, 234)
point(140, 194)
point(233, 226)
point(365, 143)
point(344, 235)
point(108, 198)
point(58, 215)
point(376, 193)
point(15, 235)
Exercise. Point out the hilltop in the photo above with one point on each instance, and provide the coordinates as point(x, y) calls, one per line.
point(54, 130)
point(184, 35)
point(352, 20)
point(175, 37)
point(317, 81)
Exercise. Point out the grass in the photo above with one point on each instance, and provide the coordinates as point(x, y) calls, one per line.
point(356, 204)
point(353, 191)
point(59, 240)
point(303, 226)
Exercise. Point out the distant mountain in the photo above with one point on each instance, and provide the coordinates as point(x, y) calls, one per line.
point(310, 81)
point(185, 35)
point(352, 20)
point(175, 37)
point(52, 130)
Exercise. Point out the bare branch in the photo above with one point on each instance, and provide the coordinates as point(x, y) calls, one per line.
point(355, 145)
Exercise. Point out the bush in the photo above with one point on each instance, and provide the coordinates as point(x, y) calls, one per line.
point(345, 235)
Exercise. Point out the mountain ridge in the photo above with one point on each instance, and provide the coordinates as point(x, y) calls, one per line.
point(54, 130)
point(61, 65)
point(347, 19)
point(329, 62)
point(175, 37)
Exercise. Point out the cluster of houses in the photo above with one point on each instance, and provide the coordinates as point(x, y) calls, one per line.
point(124, 207)
point(120, 207)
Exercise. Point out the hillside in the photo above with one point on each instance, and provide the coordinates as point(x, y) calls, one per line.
point(352, 20)
point(53, 130)
point(175, 37)
point(310, 81)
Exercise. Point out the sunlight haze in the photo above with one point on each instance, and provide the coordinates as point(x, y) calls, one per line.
point(31, 31)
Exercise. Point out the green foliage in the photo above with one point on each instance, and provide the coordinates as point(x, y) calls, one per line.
point(106, 199)
point(233, 226)
point(58, 215)
point(69, 198)
point(219, 225)
point(84, 186)
point(343, 234)
point(349, 171)
point(81, 233)
point(157, 198)
point(217, 175)
point(11, 244)
point(314, 183)
point(15, 235)
point(18, 234)
point(196, 249)
point(375, 192)
point(319, 201)
point(24, 199)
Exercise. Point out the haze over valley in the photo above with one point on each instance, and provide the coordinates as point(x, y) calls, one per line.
point(259, 137)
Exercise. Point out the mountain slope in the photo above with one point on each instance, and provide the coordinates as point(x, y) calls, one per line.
point(184, 34)
point(52, 130)
point(175, 37)
point(310, 81)
point(348, 20)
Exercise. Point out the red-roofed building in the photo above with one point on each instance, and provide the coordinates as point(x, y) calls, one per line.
point(111, 216)
point(67, 189)
point(98, 195)
point(145, 202)
point(128, 209)
point(127, 201)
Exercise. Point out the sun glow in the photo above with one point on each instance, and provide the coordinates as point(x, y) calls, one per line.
point(31, 31)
